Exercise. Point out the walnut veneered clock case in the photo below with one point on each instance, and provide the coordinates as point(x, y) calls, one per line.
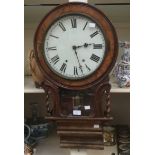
point(75, 47)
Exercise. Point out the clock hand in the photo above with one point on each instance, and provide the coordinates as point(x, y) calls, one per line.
point(84, 45)
point(74, 48)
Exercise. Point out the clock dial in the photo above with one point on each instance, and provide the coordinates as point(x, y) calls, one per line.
point(74, 47)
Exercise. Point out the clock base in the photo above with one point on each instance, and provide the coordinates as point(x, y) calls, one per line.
point(79, 134)
point(85, 137)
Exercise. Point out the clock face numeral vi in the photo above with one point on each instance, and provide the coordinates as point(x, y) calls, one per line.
point(95, 58)
point(63, 67)
point(74, 23)
point(55, 59)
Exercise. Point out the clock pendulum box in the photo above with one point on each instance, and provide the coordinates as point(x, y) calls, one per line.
point(77, 105)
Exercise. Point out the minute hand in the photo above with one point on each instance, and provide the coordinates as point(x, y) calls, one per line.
point(78, 60)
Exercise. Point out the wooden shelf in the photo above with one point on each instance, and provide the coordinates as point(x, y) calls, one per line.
point(116, 89)
point(29, 87)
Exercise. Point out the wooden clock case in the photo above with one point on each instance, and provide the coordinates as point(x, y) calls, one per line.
point(84, 130)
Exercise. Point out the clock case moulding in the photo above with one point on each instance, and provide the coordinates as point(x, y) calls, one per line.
point(85, 131)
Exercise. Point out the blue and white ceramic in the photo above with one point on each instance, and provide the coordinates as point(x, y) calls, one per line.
point(122, 69)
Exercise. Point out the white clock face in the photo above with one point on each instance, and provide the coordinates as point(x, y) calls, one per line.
point(74, 47)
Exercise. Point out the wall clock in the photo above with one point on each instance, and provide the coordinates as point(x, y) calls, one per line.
point(75, 47)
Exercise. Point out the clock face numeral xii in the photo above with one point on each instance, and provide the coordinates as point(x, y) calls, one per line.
point(74, 23)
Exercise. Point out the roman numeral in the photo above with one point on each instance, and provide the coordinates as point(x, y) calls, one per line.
point(52, 48)
point(62, 26)
point(55, 59)
point(63, 67)
point(75, 71)
point(54, 36)
point(97, 46)
point(94, 34)
point(73, 22)
point(87, 67)
point(95, 58)
point(85, 26)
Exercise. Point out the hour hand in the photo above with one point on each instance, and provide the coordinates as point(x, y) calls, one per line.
point(84, 45)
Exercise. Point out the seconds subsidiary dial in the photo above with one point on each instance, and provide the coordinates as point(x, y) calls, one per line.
point(74, 46)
